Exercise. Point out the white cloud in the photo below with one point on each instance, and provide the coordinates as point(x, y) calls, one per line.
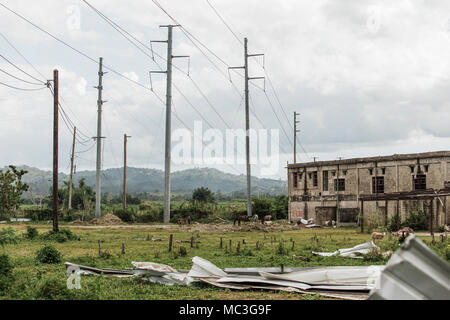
point(367, 77)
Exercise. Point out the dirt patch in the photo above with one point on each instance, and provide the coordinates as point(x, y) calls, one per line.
point(108, 219)
point(244, 227)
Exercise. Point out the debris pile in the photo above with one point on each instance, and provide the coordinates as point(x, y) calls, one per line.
point(413, 272)
point(107, 219)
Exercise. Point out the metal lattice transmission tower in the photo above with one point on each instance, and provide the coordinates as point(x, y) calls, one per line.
point(168, 73)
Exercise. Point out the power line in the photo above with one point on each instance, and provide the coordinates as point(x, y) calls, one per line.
point(266, 73)
point(74, 49)
point(20, 79)
point(15, 66)
point(18, 52)
point(225, 23)
point(22, 89)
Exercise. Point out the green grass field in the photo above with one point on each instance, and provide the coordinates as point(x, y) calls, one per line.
point(33, 280)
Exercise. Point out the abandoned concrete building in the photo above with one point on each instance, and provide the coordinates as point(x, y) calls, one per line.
point(338, 190)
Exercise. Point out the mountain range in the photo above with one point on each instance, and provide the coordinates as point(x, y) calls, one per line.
point(140, 180)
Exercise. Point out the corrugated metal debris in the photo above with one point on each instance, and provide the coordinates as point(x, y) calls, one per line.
point(414, 272)
point(355, 252)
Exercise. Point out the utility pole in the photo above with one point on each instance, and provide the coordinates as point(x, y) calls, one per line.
point(69, 205)
point(98, 186)
point(247, 122)
point(295, 135)
point(168, 72)
point(55, 150)
point(125, 138)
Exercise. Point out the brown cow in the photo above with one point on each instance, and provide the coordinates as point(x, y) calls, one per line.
point(377, 235)
point(186, 220)
point(240, 218)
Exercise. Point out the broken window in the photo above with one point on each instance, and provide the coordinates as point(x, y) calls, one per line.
point(339, 184)
point(412, 169)
point(383, 170)
point(426, 168)
point(377, 184)
point(294, 179)
point(371, 171)
point(314, 178)
point(420, 182)
point(325, 180)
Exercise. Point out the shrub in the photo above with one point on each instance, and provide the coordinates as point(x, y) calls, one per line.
point(48, 254)
point(374, 220)
point(182, 251)
point(281, 250)
point(62, 236)
point(39, 214)
point(8, 236)
point(145, 207)
point(5, 265)
point(105, 254)
point(31, 233)
point(261, 207)
point(54, 289)
point(395, 223)
point(373, 255)
point(149, 216)
point(125, 215)
point(417, 220)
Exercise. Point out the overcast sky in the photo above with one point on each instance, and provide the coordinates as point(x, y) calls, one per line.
point(368, 77)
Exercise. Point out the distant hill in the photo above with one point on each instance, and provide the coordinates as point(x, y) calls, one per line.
point(152, 181)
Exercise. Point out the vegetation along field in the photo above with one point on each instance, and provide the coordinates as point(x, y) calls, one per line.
point(279, 244)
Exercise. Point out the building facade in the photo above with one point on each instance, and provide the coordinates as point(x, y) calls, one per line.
point(331, 190)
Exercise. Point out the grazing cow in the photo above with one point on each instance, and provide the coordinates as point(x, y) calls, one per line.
point(377, 235)
point(403, 233)
point(255, 218)
point(186, 220)
point(266, 218)
point(240, 218)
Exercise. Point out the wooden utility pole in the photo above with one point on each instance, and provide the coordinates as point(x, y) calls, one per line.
point(55, 150)
point(69, 205)
point(125, 138)
point(295, 135)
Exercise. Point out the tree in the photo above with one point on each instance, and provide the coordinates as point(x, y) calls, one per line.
point(203, 195)
point(11, 189)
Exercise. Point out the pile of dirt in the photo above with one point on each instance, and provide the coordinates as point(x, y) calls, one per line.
point(107, 219)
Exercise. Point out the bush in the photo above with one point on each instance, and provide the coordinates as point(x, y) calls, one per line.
point(48, 254)
point(261, 207)
point(8, 236)
point(125, 215)
point(417, 220)
point(281, 250)
point(5, 265)
point(62, 236)
point(31, 233)
point(395, 223)
point(54, 289)
point(39, 214)
point(150, 216)
point(182, 252)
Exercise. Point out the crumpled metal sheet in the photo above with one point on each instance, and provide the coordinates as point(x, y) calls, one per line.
point(202, 268)
point(414, 272)
point(156, 268)
point(365, 276)
point(354, 252)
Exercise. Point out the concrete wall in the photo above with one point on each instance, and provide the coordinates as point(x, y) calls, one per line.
point(398, 177)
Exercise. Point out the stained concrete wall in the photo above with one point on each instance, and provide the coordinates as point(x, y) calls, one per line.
point(398, 176)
